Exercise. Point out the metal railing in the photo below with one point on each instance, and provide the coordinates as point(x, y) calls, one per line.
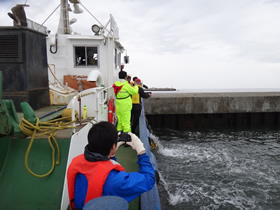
point(102, 99)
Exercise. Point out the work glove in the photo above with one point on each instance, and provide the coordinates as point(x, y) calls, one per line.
point(119, 142)
point(118, 145)
point(136, 143)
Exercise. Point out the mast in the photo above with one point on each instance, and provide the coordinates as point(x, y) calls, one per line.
point(64, 24)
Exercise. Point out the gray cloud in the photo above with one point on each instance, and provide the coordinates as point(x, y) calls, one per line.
point(193, 38)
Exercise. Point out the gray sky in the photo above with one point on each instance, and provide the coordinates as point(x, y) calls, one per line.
point(185, 44)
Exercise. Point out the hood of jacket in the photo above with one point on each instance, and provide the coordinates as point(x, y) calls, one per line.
point(118, 83)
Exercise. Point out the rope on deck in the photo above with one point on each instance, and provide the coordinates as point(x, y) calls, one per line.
point(40, 129)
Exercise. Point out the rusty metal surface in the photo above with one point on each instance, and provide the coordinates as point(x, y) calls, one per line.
point(26, 79)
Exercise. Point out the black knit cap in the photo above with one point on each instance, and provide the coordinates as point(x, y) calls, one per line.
point(122, 74)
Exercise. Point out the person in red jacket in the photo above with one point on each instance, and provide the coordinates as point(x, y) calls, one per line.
point(96, 172)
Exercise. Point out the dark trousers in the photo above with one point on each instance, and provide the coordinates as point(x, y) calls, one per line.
point(135, 114)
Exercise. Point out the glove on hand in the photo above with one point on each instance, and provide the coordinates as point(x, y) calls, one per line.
point(119, 142)
point(118, 145)
point(136, 143)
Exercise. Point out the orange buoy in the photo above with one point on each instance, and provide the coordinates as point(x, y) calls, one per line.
point(111, 111)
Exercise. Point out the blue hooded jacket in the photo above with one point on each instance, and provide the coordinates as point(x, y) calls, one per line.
point(120, 183)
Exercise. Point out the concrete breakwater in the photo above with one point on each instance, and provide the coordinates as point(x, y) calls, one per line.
point(175, 109)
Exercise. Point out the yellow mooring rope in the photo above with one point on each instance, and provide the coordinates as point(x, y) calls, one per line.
point(40, 129)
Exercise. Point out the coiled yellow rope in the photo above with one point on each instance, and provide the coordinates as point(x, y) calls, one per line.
point(40, 129)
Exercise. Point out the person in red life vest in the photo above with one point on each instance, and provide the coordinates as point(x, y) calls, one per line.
point(96, 172)
point(123, 92)
point(144, 86)
point(137, 105)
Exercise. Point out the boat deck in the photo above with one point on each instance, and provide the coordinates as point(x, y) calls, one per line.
point(39, 162)
point(54, 112)
point(46, 113)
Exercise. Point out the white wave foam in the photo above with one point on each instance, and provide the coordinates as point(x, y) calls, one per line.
point(178, 197)
point(193, 153)
point(216, 176)
point(174, 198)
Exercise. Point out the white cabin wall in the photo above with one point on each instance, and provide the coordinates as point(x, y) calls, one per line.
point(60, 58)
point(64, 63)
point(104, 64)
point(114, 70)
point(84, 42)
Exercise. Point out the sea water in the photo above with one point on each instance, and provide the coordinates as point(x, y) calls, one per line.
point(212, 169)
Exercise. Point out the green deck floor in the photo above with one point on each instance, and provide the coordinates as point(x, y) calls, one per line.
point(21, 190)
point(127, 157)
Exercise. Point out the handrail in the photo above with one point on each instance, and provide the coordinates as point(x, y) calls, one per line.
point(77, 98)
point(110, 92)
point(106, 96)
point(100, 100)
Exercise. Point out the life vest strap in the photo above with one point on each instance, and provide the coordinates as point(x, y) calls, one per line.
point(124, 97)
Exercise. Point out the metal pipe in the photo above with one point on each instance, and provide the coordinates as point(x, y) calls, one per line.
point(80, 110)
point(73, 114)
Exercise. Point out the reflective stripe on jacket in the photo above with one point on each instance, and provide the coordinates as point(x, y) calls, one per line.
point(123, 99)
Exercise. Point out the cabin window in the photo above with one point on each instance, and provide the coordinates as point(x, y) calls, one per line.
point(86, 56)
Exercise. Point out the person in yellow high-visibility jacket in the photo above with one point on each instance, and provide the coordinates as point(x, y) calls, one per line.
point(124, 91)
